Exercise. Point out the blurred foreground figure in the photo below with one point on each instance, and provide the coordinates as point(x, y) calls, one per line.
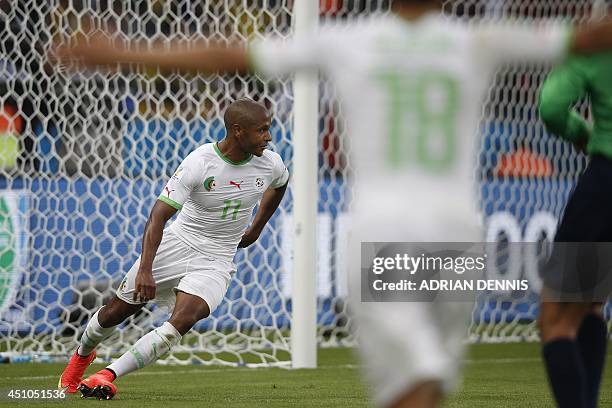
point(573, 332)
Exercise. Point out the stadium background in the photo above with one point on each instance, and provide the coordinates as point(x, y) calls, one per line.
point(84, 157)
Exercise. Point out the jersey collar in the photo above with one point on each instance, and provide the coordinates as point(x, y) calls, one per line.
point(228, 160)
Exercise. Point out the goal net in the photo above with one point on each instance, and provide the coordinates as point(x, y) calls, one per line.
point(524, 174)
point(83, 157)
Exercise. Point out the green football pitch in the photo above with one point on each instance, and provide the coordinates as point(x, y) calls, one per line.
point(500, 375)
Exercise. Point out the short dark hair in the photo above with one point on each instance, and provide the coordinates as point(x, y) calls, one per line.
point(241, 112)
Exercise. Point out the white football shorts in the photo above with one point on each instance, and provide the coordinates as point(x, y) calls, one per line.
point(178, 267)
point(403, 344)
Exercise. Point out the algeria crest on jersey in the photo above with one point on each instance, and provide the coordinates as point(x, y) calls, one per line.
point(209, 183)
point(122, 285)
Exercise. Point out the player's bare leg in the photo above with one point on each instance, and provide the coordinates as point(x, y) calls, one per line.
point(100, 326)
point(116, 311)
point(559, 324)
point(560, 320)
point(188, 311)
point(427, 394)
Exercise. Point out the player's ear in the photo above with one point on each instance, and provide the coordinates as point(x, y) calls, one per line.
point(238, 131)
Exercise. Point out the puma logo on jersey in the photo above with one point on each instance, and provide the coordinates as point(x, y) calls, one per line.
point(235, 183)
point(168, 191)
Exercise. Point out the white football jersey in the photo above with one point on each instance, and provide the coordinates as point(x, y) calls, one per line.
point(412, 94)
point(216, 197)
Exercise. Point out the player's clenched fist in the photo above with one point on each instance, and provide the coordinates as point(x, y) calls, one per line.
point(145, 287)
point(249, 237)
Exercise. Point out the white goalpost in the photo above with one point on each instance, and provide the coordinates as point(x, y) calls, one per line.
point(305, 196)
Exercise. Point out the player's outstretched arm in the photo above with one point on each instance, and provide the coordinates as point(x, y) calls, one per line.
point(154, 229)
point(269, 203)
point(100, 51)
point(546, 41)
point(593, 37)
point(562, 88)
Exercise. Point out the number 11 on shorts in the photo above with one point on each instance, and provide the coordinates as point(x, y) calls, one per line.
point(234, 205)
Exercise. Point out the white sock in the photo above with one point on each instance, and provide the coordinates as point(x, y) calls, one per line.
point(147, 350)
point(93, 335)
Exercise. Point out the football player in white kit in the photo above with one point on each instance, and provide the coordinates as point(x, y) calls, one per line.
point(412, 85)
point(215, 189)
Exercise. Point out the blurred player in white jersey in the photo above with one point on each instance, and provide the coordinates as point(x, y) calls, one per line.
point(412, 85)
point(215, 189)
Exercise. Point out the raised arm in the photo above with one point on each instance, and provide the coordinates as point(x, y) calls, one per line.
point(154, 229)
point(99, 51)
point(562, 88)
point(592, 37)
point(510, 41)
point(269, 203)
point(271, 56)
point(500, 41)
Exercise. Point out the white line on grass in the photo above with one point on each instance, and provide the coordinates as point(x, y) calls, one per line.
point(504, 360)
point(325, 367)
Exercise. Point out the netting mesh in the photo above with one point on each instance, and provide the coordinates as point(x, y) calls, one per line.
point(84, 156)
point(93, 152)
point(525, 175)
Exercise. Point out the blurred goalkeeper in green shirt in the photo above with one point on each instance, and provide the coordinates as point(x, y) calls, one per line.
point(574, 334)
